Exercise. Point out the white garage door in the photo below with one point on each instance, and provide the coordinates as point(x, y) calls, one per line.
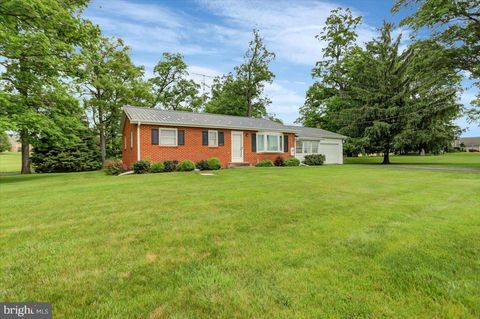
point(331, 152)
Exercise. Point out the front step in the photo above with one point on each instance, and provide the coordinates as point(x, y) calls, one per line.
point(236, 164)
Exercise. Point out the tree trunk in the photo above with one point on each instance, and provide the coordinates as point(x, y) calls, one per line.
point(25, 153)
point(103, 147)
point(249, 107)
point(386, 157)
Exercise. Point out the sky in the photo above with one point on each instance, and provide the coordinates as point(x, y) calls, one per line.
point(213, 37)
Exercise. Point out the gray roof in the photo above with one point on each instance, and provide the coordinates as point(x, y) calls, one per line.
point(310, 132)
point(180, 118)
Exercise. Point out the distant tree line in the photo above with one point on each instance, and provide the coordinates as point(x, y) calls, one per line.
point(63, 83)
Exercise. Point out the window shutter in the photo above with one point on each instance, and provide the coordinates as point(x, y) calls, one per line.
point(220, 138)
point(154, 136)
point(254, 142)
point(204, 137)
point(285, 143)
point(181, 137)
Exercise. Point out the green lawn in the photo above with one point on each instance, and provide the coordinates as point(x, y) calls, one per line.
point(10, 162)
point(306, 242)
point(462, 160)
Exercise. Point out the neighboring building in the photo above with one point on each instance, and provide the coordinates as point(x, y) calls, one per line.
point(317, 141)
point(15, 145)
point(469, 143)
point(160, 135)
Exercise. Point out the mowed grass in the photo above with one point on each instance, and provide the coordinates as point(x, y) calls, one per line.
point(461, 160)
point(10, 162)
point(306, 242)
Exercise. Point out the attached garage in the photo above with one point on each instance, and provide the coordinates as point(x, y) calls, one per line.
point(318, 141)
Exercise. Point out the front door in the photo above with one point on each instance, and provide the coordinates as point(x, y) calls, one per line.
point(237, 147)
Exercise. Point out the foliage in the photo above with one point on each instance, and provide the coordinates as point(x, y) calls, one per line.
point(186, 166)
point(171, 88)
point(265, 163)
point(107, 81)
point(314, 159)
point(292, 161)
point(114, 167)
point(202, 165)
point(37, 43)
point(279, 161)
point(242, 93)
point(156, 167)
point(214, 163)
point(141, 167)
point(170, 165)
point(4, 142)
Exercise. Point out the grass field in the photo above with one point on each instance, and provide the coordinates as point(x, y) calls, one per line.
point(463, 160)
point(332, 241)
point(10, 162)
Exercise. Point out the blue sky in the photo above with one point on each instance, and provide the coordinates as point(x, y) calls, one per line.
point(214, 35)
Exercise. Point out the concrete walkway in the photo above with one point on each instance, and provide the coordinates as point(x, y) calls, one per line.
point(425, 168)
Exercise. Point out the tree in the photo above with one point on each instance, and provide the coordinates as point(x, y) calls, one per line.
point(37, 41)
point(4, 142)
point(455, 24)
point(108, 80)
point(171, 89)
point(242, 93)
point(330, 73)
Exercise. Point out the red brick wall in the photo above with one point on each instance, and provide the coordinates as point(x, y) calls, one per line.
point(193, 148)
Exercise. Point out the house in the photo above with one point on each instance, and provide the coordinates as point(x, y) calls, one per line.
point(160, 135)
point(318, 141)
point(471, 144)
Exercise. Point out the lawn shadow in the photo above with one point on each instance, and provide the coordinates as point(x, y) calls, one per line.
point(19, 178)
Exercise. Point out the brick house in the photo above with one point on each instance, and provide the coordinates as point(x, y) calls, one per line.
point(160, 135)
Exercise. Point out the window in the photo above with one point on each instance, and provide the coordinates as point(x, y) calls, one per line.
point(299, 147)
point(168, 137)
point(307, 147)
point(131, 139)
point(269, 142)
point(212, 138)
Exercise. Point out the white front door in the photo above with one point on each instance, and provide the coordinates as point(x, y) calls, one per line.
point(237, 147)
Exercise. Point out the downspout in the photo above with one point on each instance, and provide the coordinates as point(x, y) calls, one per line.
point(138, 141)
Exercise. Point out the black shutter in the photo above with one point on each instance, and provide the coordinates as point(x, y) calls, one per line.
point(181, 137)
point(204, 137)
point(285, 143)
point(154, 136)
point(220, 138)
point(254, 142)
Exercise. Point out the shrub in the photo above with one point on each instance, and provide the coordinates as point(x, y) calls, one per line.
point(156, 167)
point(202, 165)
point(186, 166)
point(314, 159)
point(265, 163)
point(4, 142)
point(114, 167)
point(291, 162)
point(214, 163)
point(279, 161)
point(141, 167)
point(170, 166)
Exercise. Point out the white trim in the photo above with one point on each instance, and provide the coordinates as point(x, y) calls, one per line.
point(238, 160)
point(160, 136)
point(138, 141)
point(216, 139)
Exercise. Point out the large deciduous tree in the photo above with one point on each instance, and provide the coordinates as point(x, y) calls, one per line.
point(242, 93)
point(37, 41)
point(108, 80)
point(171, 88)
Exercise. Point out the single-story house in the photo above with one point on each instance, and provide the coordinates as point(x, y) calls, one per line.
point(470, 143)
point(160, 135)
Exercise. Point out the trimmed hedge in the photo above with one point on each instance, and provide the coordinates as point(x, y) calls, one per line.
point(114, 167)
point(186, 166)
point(291, 162)
point(202, 165)
point(314, 159)
point(214, 163)
point(141, 167)
point(265, 163)
point(170, 166)
point(156, 167)
point(279, 161)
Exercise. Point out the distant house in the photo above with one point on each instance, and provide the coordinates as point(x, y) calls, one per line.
point(469, 143)
point(161, 135)
point(15, 145)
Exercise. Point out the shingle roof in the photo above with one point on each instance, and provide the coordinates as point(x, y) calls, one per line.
point(179, 118)
point(310, 132)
